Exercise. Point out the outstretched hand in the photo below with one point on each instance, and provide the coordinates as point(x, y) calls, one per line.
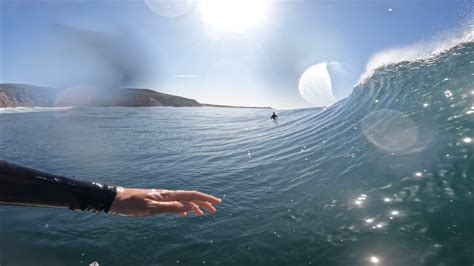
point(148, 202)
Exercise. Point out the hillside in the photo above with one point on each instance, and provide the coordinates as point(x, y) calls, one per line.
point(16, 95)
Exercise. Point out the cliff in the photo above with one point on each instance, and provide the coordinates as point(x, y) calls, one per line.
point(145, 97)
point(15, 95)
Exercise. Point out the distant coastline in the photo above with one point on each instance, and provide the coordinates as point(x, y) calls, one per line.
point(234, 106)
point(25, 95)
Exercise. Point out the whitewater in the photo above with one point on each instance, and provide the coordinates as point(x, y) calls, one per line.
point(385, 176)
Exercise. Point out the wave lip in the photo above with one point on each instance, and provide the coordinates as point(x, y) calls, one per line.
point(420, 51)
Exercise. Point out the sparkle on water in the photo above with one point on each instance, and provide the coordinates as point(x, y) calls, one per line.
point(374, 259)
point(360, 200)
point(448, 93)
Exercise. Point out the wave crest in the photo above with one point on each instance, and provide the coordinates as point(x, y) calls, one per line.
point(12, 110)
point(420, 51)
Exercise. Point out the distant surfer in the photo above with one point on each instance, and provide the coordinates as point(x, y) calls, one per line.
point(28, 187)
point(274, 116)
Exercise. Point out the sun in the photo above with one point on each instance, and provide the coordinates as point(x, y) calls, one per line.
point(233, 15)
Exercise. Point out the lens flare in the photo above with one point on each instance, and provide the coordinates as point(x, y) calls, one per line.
point(168, 8)
point(315, 85)
point(390, 130)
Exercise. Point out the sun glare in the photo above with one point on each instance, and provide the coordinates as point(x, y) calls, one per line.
point(233, 15)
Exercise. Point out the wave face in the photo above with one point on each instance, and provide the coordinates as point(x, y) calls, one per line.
point(385, 175)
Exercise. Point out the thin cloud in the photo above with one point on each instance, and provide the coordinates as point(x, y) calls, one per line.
point(186, 76)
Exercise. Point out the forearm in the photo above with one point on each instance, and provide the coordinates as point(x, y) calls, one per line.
point(24, 186)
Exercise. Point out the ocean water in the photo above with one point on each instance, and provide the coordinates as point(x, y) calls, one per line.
point(384, 177)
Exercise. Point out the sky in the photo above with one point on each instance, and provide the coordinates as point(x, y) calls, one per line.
point(284, 54)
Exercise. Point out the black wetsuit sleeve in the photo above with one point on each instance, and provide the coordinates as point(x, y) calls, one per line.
point(24, 186)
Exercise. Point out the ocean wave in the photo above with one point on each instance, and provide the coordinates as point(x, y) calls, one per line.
point(423, 50)
point(13, 110)
point(385, 174)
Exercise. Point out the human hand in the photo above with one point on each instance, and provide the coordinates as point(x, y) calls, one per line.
point(149, 202)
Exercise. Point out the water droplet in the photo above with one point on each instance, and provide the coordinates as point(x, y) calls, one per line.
point(467, 140)
point(394, 213)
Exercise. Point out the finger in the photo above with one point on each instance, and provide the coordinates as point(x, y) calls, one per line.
point(196, 209)
point(174, 207)
point(185, 195)
point(170, 206)
point(206, 205)
point(157, 194)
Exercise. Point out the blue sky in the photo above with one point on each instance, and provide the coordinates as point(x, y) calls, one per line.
point(112, 43)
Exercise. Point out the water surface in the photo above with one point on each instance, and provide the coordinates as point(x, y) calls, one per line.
point(384, 177)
